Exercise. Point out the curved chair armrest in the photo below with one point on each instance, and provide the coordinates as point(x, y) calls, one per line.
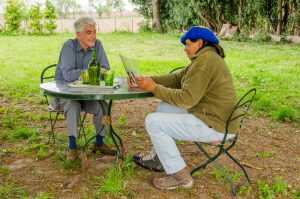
point(42, 77)
point(176, 69)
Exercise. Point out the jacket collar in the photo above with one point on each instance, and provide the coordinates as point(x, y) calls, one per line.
point(202, 51)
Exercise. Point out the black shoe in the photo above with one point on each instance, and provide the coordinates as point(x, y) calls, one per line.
point(148, 161)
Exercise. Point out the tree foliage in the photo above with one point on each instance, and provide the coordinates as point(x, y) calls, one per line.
point(50, 17)
point(36, 20)
point(102, 8)
point(66, 7)
point(144, 7)
point(35, 17)
point(13, 15)
point(118, 5)
point(270, 15)
point(106, 6)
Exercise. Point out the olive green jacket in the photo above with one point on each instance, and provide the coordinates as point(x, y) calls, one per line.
point(204, 88)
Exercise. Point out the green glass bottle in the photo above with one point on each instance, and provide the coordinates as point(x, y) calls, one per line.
point(94, 70)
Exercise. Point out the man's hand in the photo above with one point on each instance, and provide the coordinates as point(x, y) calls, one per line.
point(146, 83)
point(131, 84)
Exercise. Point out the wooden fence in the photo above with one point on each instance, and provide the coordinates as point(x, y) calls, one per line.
point(110, 24)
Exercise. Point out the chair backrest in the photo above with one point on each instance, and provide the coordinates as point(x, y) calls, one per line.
point(48, 73)
point(240, 110)
point(176, 69)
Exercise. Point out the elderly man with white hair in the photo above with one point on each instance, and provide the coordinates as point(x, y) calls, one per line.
point(75, 56)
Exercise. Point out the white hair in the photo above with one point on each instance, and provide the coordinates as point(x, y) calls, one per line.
point(83, 21)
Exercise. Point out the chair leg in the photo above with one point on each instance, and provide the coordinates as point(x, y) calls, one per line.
point(211, 159)
point(202, 150)
point(81, 127)
point(239, 164)
point(52, 125)
point(208, 161)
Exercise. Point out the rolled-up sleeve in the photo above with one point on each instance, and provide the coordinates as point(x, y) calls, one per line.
point(67, 64)
point(102, 57)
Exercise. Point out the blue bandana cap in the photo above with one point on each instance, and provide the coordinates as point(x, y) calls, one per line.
point(197, 32)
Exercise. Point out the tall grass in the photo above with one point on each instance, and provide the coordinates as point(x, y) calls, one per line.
point(273, 69)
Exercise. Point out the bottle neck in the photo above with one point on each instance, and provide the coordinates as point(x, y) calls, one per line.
point(94, 59)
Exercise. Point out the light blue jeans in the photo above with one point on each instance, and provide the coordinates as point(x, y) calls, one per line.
point(169, 123)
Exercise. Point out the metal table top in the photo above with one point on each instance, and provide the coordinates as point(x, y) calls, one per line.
point(86, 92)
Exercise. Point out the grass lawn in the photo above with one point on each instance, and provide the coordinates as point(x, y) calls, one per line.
point(273, 69)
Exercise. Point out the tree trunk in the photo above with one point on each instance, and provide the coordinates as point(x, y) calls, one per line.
point(285, 16)
point(297, 25)
point(156, 15)
point(279, 17)
point(297, 21)
point(240, 14)
point(210, 23)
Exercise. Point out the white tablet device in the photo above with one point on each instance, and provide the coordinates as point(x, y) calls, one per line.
point(131, 68)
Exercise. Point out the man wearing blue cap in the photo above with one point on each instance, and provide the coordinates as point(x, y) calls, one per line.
point(195, 105)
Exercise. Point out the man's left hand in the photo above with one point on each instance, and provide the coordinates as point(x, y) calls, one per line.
point(146, 83)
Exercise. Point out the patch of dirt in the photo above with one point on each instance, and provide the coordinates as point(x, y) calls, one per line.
point(258, 136)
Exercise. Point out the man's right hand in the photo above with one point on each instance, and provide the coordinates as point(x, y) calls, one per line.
point(146, 83)
point(131, 84)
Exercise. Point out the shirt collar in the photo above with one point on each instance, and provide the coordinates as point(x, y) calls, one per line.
point(79, 48)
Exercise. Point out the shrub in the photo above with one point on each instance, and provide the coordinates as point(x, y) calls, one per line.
point(13, 16)
point(49, 17)
point(145, 27)
point(284, 39)
point(240, 36)
point(262, 37)
point(35, 19)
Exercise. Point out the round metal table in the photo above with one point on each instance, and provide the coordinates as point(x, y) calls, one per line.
point(89, 92)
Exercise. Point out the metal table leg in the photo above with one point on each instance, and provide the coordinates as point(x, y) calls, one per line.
point(115, 137)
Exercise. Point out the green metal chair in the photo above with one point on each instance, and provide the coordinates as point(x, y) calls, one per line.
point(239, 112)
point(48, 74)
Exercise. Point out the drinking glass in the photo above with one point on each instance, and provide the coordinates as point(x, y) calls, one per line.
point(84, 76)
point(109, 78)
